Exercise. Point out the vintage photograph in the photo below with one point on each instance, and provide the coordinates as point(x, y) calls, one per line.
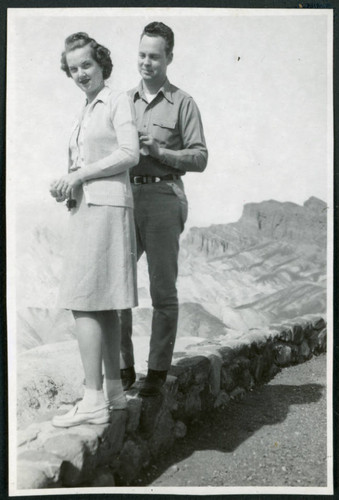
point(169, 250)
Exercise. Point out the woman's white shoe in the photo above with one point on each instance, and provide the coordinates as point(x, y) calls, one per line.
point(75, 416)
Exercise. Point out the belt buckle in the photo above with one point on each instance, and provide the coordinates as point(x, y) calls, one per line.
point(137, 180)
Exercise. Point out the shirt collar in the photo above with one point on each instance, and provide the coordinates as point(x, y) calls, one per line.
point(102, 96)
point(165, 89)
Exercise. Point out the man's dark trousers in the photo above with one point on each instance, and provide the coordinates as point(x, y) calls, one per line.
point(160, 212)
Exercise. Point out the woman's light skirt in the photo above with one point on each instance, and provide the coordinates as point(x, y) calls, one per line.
point(99, 270)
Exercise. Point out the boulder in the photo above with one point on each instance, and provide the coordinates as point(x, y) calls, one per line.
point(180, 429)
point(283, 354)
point(222, 399)
point(103, 477)
point(215, 373)
point(34, 460)
point(304, 351)
point(133, 457)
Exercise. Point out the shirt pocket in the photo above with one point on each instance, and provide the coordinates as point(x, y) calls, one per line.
point(164, 130)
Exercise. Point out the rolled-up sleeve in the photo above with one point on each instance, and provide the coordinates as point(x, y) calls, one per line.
point(125, 144)
point(193, 155)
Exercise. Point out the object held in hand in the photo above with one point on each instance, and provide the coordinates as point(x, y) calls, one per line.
point(71, 203)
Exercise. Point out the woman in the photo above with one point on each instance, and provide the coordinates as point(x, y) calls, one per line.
point(99, 274)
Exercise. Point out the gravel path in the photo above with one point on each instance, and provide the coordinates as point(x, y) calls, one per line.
point(275, 436)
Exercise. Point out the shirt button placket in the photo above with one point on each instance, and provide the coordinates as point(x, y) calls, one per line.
point(146, 115)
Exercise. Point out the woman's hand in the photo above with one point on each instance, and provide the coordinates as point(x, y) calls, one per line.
point(61, 189)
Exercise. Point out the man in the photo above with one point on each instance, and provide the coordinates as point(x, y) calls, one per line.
point(171, 143)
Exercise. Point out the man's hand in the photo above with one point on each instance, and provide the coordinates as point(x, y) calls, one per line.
point(61, 189)
point(151, 143)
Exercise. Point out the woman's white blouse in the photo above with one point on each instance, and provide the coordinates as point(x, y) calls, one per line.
point(104, 145)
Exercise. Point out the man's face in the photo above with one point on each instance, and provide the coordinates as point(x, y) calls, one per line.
point(152, 59)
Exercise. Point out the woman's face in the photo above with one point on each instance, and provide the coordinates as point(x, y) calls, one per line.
point(85, 71)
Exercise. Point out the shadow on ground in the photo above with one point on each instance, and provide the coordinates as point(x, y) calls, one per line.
point(226, 428)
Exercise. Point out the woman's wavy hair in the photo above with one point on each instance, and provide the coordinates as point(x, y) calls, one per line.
point(100, 53)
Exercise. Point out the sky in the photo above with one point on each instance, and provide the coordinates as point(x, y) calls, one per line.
point(261, 79)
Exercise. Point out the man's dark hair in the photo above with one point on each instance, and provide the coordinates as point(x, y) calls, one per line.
point(99, 53)
point(160, 29)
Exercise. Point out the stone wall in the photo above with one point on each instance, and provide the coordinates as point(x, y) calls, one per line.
point(208, 375)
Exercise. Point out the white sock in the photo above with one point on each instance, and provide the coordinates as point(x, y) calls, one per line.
point(92, 399)
point(113, 388)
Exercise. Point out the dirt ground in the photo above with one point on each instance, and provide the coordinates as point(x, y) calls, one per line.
point(274, 436)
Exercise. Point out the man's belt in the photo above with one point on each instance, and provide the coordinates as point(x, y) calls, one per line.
point(149, 179)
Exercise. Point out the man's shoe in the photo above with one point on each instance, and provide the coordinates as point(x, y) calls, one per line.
point(128, 377)
point(75, 417)
point(153, 383)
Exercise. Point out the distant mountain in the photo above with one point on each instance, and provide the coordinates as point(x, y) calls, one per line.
point(268, 220)
point(269, 266)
